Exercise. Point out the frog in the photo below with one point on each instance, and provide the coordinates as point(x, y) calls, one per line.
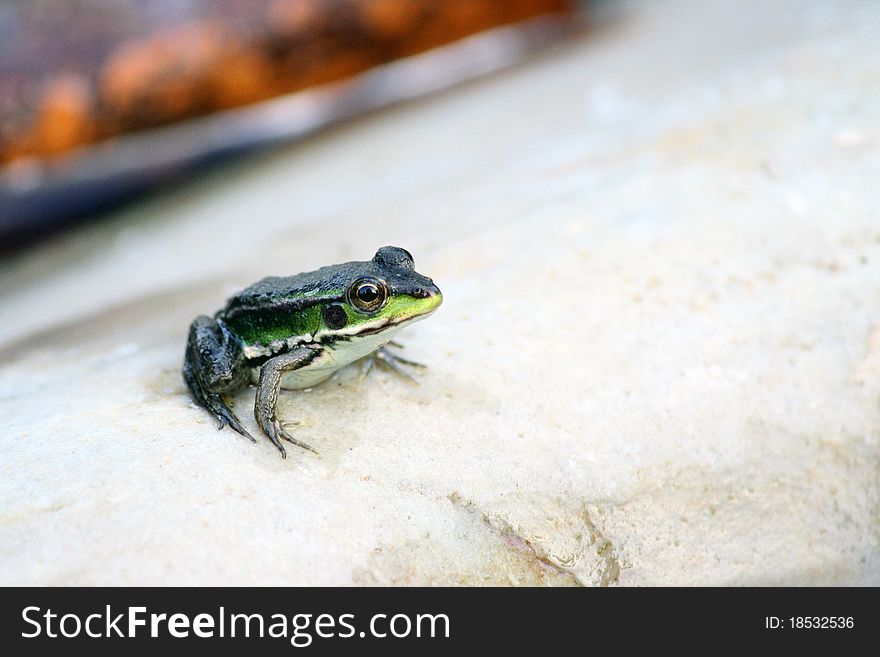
point(295, 332)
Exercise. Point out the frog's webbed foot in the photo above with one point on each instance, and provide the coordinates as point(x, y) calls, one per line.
point(391, 362)
point(225, 416)
point(275, 429)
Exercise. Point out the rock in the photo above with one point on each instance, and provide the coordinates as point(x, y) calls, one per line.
point(657, 361)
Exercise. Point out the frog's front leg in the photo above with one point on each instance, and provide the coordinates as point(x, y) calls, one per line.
point(213, 367)
point(267, 394)
point(387, 359)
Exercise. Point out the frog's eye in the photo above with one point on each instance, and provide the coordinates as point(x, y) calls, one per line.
point(368, 294)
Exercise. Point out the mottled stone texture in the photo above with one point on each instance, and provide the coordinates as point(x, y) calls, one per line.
point(658, 361)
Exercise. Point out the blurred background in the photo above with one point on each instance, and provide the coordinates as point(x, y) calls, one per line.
point(104, 100)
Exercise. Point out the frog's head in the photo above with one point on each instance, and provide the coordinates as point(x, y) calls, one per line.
point(382, 294)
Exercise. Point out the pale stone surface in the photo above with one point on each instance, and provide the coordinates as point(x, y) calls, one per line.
point(658, 361)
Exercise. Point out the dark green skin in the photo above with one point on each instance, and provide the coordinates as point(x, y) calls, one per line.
point(284, 324)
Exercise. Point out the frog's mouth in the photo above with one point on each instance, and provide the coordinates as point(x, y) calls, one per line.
point(388, 323)
point(409, 311)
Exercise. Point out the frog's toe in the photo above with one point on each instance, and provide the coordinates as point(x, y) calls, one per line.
point(236, 425)
point(286, 436)
point(225, 416)
point(397, 360)
point(366, 366)
point(272, 430)
point(275, 430)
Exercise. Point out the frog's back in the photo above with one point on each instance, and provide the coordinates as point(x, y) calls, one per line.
point(278, 307)
point(299, 290)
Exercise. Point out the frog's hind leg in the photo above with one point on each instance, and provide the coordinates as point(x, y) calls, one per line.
point(213, 368)
point(213, 403)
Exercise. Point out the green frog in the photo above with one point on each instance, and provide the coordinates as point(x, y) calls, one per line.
point(294, 332)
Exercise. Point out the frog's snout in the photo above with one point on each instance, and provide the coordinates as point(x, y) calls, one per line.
point(431, 292)
point(426, 292)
